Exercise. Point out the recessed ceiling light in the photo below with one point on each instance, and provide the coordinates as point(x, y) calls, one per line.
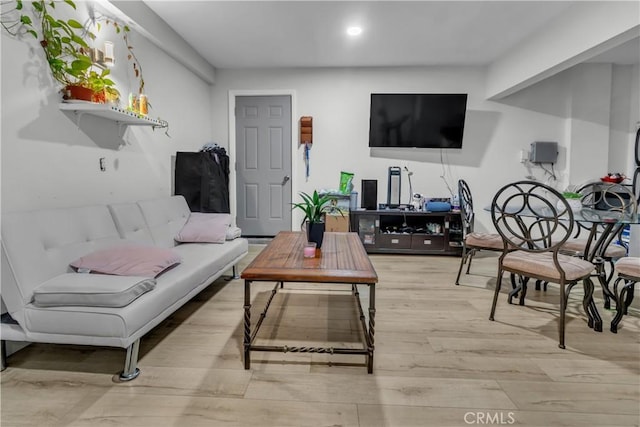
point(354, 31)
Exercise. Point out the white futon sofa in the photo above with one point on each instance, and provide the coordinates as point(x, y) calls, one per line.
point(38, 247)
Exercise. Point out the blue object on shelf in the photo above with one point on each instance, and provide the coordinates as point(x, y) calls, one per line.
point(438, 206)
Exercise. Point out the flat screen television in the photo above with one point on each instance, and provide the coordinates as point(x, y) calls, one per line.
point(427, 120)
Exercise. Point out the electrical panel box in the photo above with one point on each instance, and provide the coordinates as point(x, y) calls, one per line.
point(543, 152)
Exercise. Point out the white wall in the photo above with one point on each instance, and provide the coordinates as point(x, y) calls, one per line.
point(583, 31)
point(625, 118)
point(338, 100)
point(589, 121)
point(47, 161)
point(601, 107)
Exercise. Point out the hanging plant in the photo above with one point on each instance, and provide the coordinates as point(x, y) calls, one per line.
point(63, 42)
point(124, 30)
point(131, 56)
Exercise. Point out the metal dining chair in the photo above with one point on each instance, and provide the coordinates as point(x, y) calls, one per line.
point(472, 241)
point(536, 220)
point(628, 270)
point(593, 243)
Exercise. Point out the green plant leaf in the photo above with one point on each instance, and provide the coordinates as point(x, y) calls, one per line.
point(18, 4)
point(25, 20)
point(79, 40)
point(74, 24)
point(78, 74)
point(54, 48)
point(68, 30)
point(70, 3)
point(37, 6)
point(33, 33)
point(56, 63)
point(85, 59)
point(571, 195)
point(313, 206)
point(80, 65)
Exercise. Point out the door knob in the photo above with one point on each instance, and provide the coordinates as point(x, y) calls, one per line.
point(286, 178)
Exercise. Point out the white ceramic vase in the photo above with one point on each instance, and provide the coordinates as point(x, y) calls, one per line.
point(574, 204)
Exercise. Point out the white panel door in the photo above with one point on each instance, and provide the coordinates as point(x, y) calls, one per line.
point(263, 164)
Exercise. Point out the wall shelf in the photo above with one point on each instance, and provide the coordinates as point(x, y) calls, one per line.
point(119, 115)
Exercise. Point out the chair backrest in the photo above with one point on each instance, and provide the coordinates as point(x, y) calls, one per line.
point(466, 207)
point(608, 197)
point(531, 216)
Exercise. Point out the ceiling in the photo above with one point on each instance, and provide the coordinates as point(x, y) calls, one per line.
point(264, 34)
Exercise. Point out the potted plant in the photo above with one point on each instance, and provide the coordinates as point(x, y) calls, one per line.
point(314, 208)
point(65, 49)
point(574, 200)
point(102, 87)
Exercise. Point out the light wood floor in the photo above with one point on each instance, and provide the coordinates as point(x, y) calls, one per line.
point(439, 361)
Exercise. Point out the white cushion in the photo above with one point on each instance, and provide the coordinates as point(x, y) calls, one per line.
point(39, 245)
point(577, 246)
point(165, 217)
point(484, 241)
point(629, 266)
point(91, 290)
point(233, 233)
point(540, 264)
point(205, 228)
point(130, 222)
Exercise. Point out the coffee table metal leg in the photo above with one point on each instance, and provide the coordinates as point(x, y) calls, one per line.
point(247, 324)
point(372, 325)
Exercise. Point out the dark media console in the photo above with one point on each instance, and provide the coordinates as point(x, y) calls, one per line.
point(394, 231)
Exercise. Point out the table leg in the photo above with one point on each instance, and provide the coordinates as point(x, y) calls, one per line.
point(623, 289)
point(596, 253)
point(590, 306)
point(601, 273)
point(247, 324)
point(372, 325)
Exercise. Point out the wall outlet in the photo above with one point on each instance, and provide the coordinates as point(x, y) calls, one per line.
point(523, 156)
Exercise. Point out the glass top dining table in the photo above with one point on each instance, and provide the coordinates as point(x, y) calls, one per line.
point(597, 216)
point(602, 226)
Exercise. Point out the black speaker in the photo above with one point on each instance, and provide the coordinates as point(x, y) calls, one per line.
point(369, 194)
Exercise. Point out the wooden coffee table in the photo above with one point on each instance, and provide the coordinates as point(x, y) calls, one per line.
point(342, 259)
